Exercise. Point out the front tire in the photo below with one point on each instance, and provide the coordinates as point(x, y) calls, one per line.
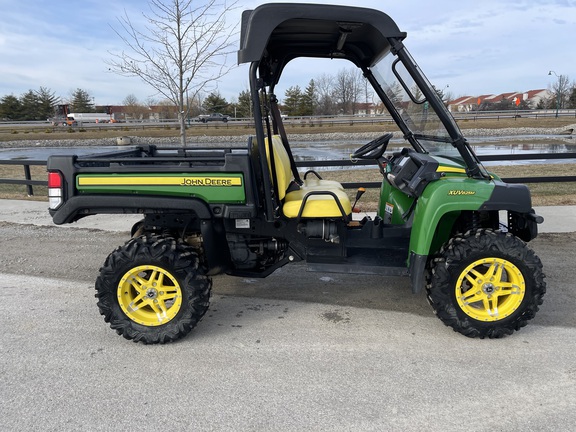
point(485, 284)
point(153, 289)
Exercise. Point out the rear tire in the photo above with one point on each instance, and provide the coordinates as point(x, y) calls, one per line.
point(153, 289)
point(485, 284)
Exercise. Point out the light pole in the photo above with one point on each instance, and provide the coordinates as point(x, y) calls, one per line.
point(444, 98)
point(557, 93)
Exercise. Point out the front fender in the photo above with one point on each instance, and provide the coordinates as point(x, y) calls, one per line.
point(442, 197)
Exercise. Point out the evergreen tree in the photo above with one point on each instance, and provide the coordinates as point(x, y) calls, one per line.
point(215, 103)
point(309, 100)
point(81, 102)
point(244, 104)
point(10, 108)
point(30, 104)
point(47, 101)
point(542, 104)
point(293, 101)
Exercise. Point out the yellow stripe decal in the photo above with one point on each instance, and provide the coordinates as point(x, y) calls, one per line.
point(442, 168)
point(160, 181)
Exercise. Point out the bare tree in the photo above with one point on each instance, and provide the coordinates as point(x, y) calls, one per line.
point(180, 52)
point(359, 90)
point(561, 89)
point(343, 90)
point(325, 89)
point(133, 109)
point(349, 88)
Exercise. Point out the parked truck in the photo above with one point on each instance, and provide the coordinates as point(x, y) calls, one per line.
point(455, 229)
point(74, 119)
point(213, 117)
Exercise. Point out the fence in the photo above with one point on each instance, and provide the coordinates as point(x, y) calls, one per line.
point(248, 123)
point(30, 183)
point(27, 174)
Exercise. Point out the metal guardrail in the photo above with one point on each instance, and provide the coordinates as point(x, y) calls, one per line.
point(30, 183)
point(300, 121)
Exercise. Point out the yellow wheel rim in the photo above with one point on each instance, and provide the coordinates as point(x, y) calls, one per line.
point(149, 295)
point(490, 289)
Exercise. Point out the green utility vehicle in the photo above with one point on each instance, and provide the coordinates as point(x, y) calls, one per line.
point(443, 220)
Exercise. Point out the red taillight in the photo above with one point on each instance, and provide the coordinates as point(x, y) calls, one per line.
point(54, 180)
point(54, 190)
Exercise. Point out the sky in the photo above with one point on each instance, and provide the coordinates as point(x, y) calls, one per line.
point(473, 47)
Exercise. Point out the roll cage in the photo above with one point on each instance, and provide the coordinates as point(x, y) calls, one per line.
point(274, 34)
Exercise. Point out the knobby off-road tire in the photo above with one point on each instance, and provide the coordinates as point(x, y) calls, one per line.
point(153, 289)
point(485, 284)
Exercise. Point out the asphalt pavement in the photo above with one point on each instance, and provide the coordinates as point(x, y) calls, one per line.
point(259, 365)
point(308, 360)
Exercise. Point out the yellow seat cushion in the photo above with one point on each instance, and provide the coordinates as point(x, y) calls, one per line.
point(316, 183)
point(317, 206)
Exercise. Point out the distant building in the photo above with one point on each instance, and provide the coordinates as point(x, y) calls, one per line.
point(463, 104)
point(365, 109)
point(537, 96)
point(471, 103)
point(141, 112)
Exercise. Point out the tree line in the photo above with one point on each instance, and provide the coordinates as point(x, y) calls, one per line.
point(343, 93)
point(43, 104)
point(347, 92)
point(326, 94)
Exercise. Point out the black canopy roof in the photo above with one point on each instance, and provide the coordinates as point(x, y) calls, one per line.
point(276, 33)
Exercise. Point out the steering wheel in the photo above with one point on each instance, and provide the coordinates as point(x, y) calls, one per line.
point(371, 150)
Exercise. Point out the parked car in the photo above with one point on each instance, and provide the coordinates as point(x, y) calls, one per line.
point(205, 118)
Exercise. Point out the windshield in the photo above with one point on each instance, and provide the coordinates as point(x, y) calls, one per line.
point(413, 106)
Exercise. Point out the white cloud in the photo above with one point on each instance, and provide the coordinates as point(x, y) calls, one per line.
point(474, 47)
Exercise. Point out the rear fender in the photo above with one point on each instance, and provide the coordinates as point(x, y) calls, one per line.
point(79, 206)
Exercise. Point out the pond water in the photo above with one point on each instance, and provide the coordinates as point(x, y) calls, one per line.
point(331, 150)
point(42, 153)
